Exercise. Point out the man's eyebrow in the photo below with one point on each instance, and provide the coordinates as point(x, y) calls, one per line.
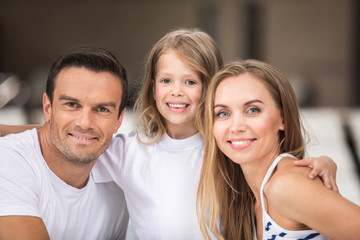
point(108, 104)
point(66, 97)
point(100, 104)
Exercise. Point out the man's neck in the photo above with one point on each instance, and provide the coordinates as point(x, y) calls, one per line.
point(74, 175)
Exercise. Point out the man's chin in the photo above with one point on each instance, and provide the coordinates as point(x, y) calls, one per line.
point(82, 160)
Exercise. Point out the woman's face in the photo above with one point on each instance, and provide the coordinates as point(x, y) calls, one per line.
point(246, 119)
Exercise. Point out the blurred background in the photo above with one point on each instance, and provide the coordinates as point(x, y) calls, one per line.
point(316, 43)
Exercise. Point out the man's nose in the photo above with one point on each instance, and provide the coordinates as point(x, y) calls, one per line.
point(85, 119)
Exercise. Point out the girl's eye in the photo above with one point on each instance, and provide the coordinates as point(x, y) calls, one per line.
point(253, 110)
point(190, 82)
point(165, 80)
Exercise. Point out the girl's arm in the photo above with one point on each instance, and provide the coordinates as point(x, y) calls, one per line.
point(297, 198)
point(8, 129)
point(322, 166)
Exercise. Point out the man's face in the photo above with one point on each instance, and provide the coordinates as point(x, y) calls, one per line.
point(84, 114)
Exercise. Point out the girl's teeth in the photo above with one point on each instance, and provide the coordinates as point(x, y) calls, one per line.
point(240, 142)
point(177, 105)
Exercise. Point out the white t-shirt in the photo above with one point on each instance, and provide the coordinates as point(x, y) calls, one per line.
point(29, 187)
point(160, 183)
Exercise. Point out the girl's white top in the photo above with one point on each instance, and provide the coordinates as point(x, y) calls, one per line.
point(160, 183)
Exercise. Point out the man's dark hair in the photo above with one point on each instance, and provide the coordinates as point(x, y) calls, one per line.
point(93, 59)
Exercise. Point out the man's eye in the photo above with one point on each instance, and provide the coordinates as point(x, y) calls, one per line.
point(72, 104)
point(103, 109)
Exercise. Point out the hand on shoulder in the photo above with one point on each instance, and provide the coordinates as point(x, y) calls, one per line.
point(289, 190)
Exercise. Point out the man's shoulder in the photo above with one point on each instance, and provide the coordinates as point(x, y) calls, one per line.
point(26, 136)
point(19, 141)
point(20, 149)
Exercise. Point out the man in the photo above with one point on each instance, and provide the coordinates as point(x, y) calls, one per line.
point(47, 189)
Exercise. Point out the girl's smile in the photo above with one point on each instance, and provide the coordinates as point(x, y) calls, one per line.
point(177, 93)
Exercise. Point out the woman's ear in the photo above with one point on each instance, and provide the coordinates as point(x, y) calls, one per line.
point(282, 125)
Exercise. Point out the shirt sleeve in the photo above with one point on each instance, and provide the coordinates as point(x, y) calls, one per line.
point(19, 186)
point(110, 164)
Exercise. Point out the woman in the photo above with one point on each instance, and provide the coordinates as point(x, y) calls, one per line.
point(249, 185)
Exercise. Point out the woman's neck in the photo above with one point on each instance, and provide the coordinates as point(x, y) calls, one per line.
point(255, 172)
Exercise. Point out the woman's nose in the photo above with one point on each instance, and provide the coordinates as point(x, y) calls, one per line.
point(238, 124)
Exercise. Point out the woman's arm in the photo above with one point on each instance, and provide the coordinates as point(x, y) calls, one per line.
point(297, 198)
point(8, 129)
point(323, 167)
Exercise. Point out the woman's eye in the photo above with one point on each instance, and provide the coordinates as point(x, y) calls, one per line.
point(222, 114)
point(254, 110)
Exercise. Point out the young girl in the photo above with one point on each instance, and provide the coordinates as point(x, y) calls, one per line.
point(158, 167)
point(160, 170)
point(248, 179)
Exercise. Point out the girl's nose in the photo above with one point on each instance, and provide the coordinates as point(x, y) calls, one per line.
point(177, 91)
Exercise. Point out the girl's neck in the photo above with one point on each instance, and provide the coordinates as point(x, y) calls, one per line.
point(181, 132)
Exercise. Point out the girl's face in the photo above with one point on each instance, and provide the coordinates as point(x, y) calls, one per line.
point(246, 119)
point(177, 93)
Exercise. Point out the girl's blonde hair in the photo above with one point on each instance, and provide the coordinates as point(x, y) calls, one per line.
point(201, 54)
point(223, 193)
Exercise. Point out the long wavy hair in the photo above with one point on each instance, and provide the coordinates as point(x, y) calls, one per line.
point(200, 52)
point(224, 199)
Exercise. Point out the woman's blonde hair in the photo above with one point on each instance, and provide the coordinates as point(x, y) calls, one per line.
point(201, 54)
point(223, 193)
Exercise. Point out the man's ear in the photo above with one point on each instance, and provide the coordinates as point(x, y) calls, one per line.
point(46, 107)
point(119, 121)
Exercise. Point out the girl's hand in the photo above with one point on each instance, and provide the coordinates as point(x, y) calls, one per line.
point(324, 167)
